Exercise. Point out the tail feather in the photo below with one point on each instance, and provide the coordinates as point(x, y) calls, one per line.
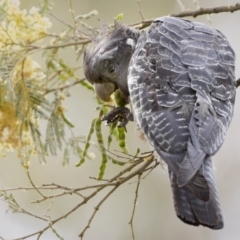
point(190, 209)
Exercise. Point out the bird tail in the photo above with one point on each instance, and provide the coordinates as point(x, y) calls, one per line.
point(191, 209)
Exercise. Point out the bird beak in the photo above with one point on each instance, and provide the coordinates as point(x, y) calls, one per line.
point(104, 91)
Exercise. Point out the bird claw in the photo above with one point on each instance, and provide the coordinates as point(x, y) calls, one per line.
point(121, 114)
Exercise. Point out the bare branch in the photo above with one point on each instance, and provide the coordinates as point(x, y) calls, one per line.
point(140, 9)
point(95, 211)
point(112, 182)
point(72, 12)
point(134, 204)
point(28, 236)
point(60, 20)
point(180, 4)
point(123, 180)
point(30, 179)
point(64, 87)
point(48, 209)
point(203, 11)
point(32, 215)
point(196, 13)
point(84, 41)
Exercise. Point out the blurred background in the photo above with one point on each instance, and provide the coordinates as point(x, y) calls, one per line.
point(155, 216)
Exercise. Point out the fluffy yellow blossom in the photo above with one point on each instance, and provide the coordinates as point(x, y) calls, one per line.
point(8, 126)
point(27, 68)
point(18, 28)
point(10, 138)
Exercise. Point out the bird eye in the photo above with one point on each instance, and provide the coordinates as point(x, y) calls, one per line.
point(111, 70)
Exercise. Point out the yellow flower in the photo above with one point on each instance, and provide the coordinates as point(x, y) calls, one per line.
point(18, 28)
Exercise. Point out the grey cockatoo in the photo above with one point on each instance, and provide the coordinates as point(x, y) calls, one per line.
point(179, 78)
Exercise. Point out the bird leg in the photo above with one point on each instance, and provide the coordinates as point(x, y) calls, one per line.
point(121, 114)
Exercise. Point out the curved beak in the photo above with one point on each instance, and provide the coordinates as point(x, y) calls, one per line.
point(104, 91)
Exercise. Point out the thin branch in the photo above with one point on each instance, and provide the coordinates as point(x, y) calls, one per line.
point(29, 188)
point(73, 191)
point(60, 20)
point(180, 4)
point(30, 179)
point(138, 2)
point(123, 180)
point(28, 236)
point(95, 211)
point(63, 87)
point(196, 2)
point(90, 196)
point(48, 209)
point(32, 215)
point(196, 13)
point(84, 41)
point(44, 198)
point(134, 205)
point(72, 12)
point(203, 11)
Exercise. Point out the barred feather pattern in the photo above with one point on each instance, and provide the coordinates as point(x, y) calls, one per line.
point(182, 89)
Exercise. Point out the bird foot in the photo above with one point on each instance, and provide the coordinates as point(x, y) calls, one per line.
point(121, 114)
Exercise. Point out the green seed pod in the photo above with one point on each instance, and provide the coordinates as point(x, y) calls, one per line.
point(87, 85)
point(87, 144)
point(98, 130)
point(111, 132)
point(122, 139)
point(120, 102)
point(114, 161)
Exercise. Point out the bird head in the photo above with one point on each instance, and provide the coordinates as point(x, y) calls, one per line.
point(106, 61)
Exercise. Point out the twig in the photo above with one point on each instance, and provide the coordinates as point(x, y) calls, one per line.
point(30, 179)
point(32, 215)
point(54, 231)
point(140, 9)
point(90, 196)
point(29, 188)
point(123, 180)
point(84, 41)
point(95, 211)
point(60, 20)
point(97, 179)
point(196, 13)
point(28, 236)
point(196, 4)
point(48, 209)
point(134, 205)
point(180, 4)
point(63, 87)
point(149, 169)
point(203, 11)
point(119, 156)
point(70, 192)
point(72, 13)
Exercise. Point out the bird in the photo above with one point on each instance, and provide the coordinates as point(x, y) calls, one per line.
point(179, 78)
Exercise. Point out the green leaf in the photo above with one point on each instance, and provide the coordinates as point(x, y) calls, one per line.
point(119, 17)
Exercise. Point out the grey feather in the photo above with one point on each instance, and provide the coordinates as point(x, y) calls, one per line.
point(195, 66)
point(181, 81)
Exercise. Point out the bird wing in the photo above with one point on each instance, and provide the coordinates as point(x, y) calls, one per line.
point(182, 90)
